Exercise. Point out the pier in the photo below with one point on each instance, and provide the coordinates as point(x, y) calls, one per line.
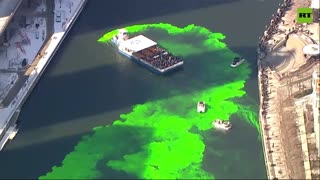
point(288, 121)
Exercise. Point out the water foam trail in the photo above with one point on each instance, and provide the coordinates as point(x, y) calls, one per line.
point(167, 146)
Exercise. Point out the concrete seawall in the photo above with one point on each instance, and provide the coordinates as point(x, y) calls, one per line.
point(269, 129)
point(266, 146)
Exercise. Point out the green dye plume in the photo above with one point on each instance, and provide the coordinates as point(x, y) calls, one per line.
point(165, 143)
point(213, 40)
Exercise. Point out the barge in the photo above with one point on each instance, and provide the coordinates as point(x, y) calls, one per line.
point(146, 52)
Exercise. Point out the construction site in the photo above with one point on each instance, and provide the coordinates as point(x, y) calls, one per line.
point(289, 83)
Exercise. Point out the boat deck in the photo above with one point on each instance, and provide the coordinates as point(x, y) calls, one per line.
point(158, 57)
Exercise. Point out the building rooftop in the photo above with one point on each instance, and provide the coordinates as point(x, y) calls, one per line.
point(7, 9)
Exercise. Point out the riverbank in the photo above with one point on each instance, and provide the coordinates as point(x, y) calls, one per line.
point(29, 77)
point(285, 87)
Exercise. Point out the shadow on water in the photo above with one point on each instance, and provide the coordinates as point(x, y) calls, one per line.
point(126, 11)
point(30, 163)
point(112, 143)
point(86, 93)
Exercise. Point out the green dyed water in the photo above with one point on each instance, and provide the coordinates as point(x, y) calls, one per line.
point(165, 138)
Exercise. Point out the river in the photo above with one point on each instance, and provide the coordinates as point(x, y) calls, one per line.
point(87, 84)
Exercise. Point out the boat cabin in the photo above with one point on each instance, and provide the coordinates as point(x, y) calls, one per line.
point(123, 34)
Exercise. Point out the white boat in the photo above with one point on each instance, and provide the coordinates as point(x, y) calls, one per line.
point(122, 36)
point(222, 125)
point(146, 52)
point(201, 107)
point(237, 61)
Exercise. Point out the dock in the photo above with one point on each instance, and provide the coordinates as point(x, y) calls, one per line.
point(286, 89)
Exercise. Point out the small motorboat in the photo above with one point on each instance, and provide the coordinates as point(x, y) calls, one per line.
point(222, 125)
point(201, 107)
point(237, 61)
point(122, 36)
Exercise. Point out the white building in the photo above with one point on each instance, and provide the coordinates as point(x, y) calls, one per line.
point(316, 105)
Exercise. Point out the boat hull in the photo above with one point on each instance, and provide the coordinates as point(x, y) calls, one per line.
point(222, 128)
point(236, 65)
point(201, 110)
